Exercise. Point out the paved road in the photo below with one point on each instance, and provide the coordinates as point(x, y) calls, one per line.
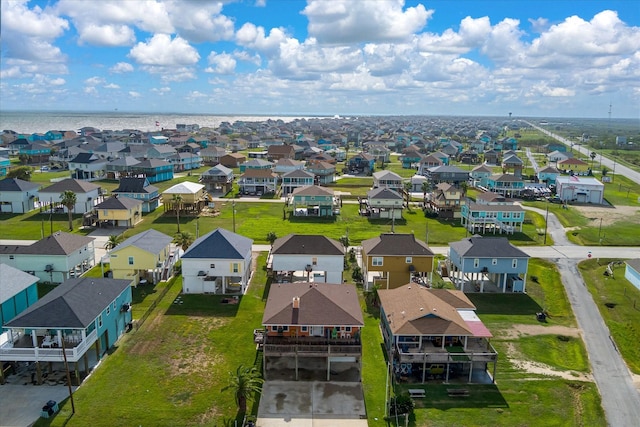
point(611, 164)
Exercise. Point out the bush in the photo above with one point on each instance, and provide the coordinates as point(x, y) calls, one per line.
point(401, 404)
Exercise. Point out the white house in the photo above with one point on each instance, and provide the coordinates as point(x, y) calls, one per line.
point(320, 257)
point(17, 196)
point(580, 189)
point(87, 194)
point(217, 263)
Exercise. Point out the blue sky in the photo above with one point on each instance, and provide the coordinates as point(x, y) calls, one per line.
point(446, 57)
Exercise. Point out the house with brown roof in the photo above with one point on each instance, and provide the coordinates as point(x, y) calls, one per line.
point(233, 160)
point(445, 200)
point(312, 257)
point(312, 332)
point(325, 173)
point(573, 165)
point(54, 258)
point(435, 334)
point(393, 260)
point(282, 151)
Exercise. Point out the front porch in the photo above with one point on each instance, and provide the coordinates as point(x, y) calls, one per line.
point(485, 281)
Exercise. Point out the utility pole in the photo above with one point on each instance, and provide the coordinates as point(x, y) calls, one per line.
point(233, 205)
point(546, 224)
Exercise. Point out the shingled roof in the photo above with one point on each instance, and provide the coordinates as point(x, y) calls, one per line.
point(17, 185)
point(306, 244)
point(70, 184)
point(487, 247)
point(151, 241)
point(396, 244)
point(220, 244)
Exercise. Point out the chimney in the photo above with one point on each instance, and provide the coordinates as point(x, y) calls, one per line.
point(296, 302)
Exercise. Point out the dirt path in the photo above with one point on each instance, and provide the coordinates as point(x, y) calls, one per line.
point(519, 330)
point(609, 215)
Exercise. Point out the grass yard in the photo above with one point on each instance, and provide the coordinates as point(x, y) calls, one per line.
point(171, 371)
point(616, 298)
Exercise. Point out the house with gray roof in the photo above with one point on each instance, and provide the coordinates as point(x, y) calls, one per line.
point(217, 263)
point(17, 195)
point(382, 202)
point(54, 258)
point(218, 180)
point(487, 264)
point(88, 167)
point(87, 314)
point(139, 188)
point(144, 256)
point(314, 257)
point(118, 212)
point(87, 195)
point(19, 290)
point(324, 317)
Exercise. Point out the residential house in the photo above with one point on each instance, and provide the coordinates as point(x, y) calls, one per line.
point(218, 179)
point(487, 264)
point(312, 328)
point(119, 212)
point(233, 160)
point(388, 179)
point(185, 161)
point(17, 195)
point(295, 179)
point(393, 260)
point(445, 200)
point(284, 166)
point(491, 157)
point(87, 195)
point(218, 263)
point(324, 173)
point(88, 167)
point(434, 334)
point(361, 163)
point(139, 188)
point(548, 175)
point(18, 292)
point(379, 151)
point(192, 198)
point(554, 146)
point(479, 174)
point(318, 258)
point(87, 314)
point(492, 212)
point(427, 163)
point(505, 184)
point(418, 183)
point(580, 189)
point(143, 256)
point(155, 170)
point(211, 155)
point(121, 167)
point(632, 272)
point(451, 148)
point(512, 162)
point(5, 165)
point(54, 258)
point(558, 156)
point(411, 157)
point(282, 151)
point(313, 200)
point(35, 153)
point(382, 203)
point(256, 164)
point(573, 166)
point(258, 182)
point(449, 174)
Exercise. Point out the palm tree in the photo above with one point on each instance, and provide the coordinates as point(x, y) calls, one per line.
point(177, 205)
point(271, 237)
point(183, 239)
point(244, 383)
point(68, 198)
point(425, 188)
point(593, 157)
point(114, 240)
point(407, 190)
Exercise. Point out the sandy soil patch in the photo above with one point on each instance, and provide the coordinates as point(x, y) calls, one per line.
point(542, 369)
point(609, 215)
point(519, 330)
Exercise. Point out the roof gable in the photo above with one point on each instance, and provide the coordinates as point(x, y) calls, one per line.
point(220, 244)
point(304, 244)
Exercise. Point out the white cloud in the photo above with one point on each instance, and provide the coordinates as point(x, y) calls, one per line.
point(161, 90)
point(134, 94)
point(221, 63)
point(471, 35)
point(163, 51)
point(107, 35)
point(94, 81)
point(111, 86)
point(90, 90)
point(199, 21)
point(171, 74)
point(121, 67)
point(346, 21)
point(253, 37)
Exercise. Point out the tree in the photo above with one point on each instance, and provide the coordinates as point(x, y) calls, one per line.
point(271, 237)
point(68, 200)
point(345, 242)
point(177, 205)
point(593, 157)
point(604, 171)
point(425, 188)
point(407, 191)
point(183, 239)
point(244, 383)
point(20, 172)
point(114, 240)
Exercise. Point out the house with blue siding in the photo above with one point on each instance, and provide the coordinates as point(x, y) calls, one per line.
point(480, 173)
point(87, 314)
point(505, 184)
point(296, 179)
point(487, 264)
point(497, 215)
point(18, 292)
point(324, 172)
point(632, 272)
point(313, 200)
point(5, 164)
point(362, 163)
point(155, 170)
point(139, 188)
point(548, 175)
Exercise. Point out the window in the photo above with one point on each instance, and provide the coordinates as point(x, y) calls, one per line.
point(105, 212)
point(376, 261)
point(100, 321)
point(514, 263)
point(304, 328)
point(212, 266)
point(314, 261)
point(235, 267)
point(108, 310)
point(274, 328)
point(130, 260)
point(494, 261)
point(408, 260)
point(10, 256)
point(476, 263)
point(348, 329)
point(114, 305)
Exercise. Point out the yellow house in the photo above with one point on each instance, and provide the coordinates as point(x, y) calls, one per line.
point(193, 197)
point(573, 164)
point(120, 212)
point(393, 260)
point(145, 256)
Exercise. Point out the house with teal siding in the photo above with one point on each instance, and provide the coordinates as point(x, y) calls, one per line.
point(489, 218)
point(487, 264)
point(5, 164)
point(155, 170)
point(548, 175)
point(296, 179)
point(313, 200)
point(505, 184)
point(18, 292)
point(87, 314)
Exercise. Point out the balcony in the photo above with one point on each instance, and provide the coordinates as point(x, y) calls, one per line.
point(22, 350)
point(476, 351)
point(311, 346)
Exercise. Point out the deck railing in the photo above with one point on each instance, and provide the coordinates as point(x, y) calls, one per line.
point(29, 354)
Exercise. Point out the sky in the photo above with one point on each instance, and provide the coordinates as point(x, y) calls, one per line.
point(557, 58)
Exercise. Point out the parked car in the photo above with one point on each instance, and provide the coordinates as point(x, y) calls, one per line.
point(555, 199)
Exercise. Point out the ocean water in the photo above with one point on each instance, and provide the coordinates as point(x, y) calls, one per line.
point(40, 122)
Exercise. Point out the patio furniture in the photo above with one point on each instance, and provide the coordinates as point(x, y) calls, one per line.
point(47, 341)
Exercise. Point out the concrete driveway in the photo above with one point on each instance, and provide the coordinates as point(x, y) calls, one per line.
point(22, 404)
point(311, 404)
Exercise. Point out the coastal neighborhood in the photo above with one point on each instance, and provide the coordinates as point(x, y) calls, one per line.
point(396, 265)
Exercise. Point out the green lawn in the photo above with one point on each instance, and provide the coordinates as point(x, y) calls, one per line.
point(619, 304)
